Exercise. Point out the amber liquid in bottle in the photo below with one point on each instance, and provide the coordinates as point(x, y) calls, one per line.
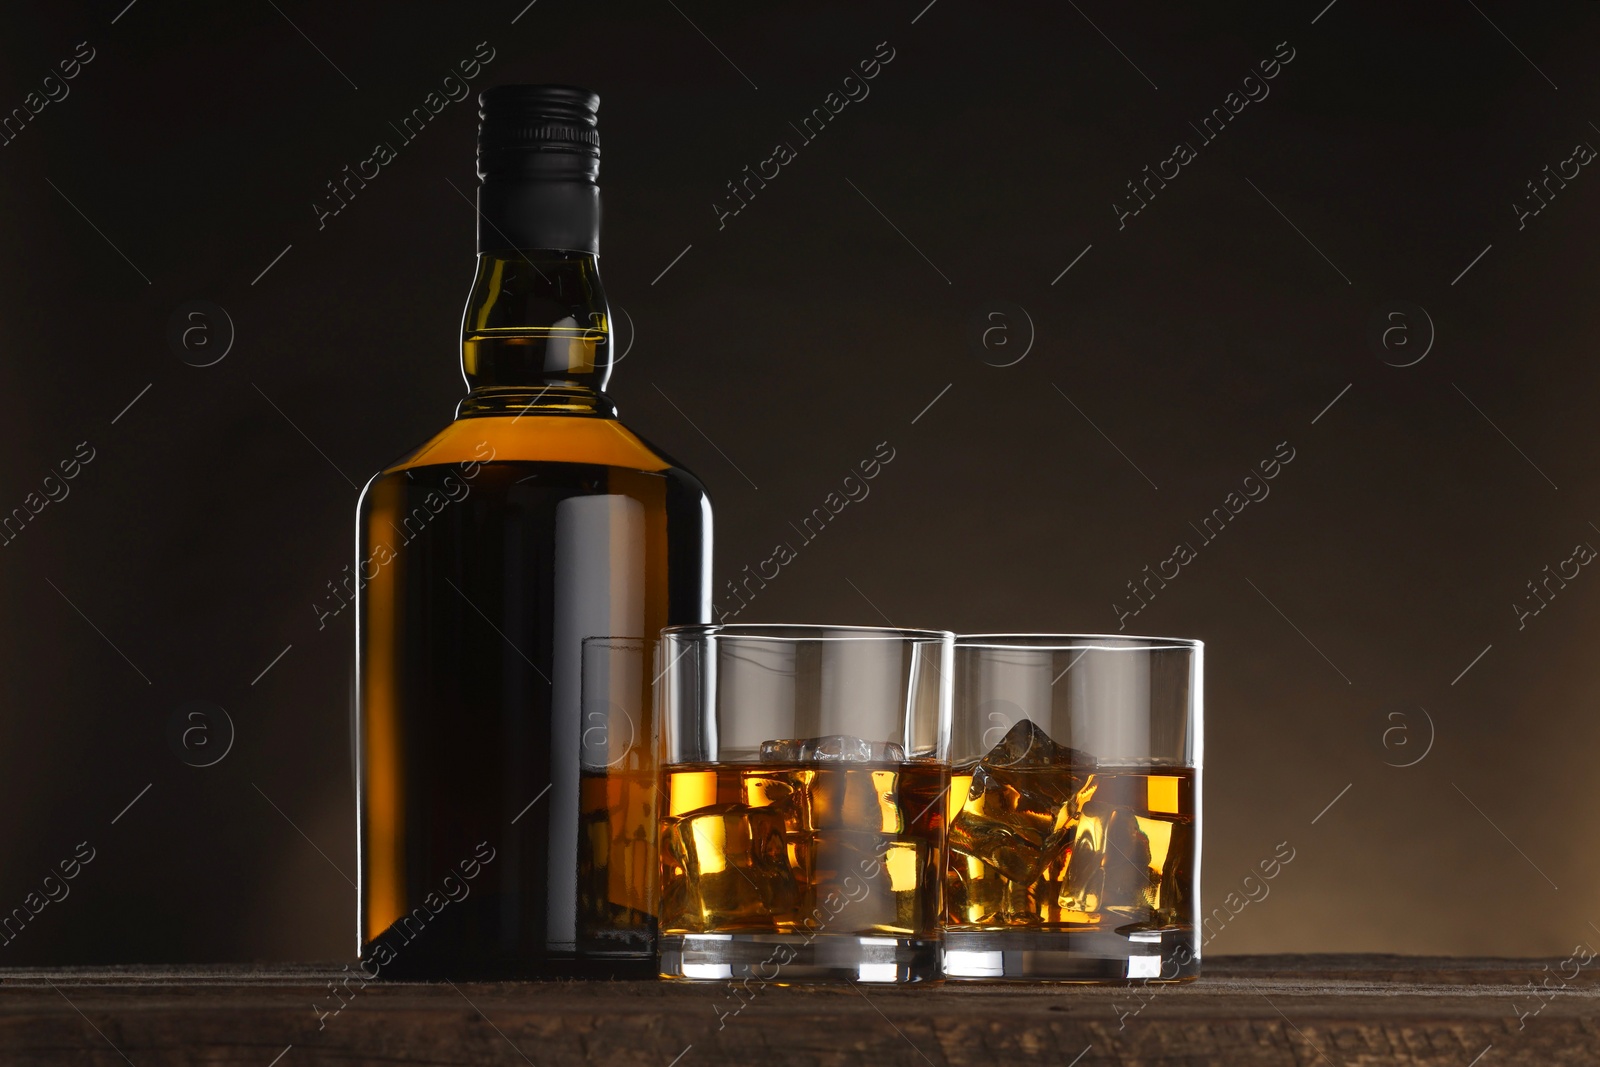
point(516, 571)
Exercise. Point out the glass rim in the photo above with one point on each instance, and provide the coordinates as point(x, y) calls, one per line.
point(1071, 642)
point(800, 632)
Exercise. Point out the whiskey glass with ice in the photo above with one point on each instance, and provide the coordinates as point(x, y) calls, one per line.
point(1074, 808)
point(804, 783)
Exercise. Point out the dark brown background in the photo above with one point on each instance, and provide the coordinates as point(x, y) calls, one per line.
point(798, 338)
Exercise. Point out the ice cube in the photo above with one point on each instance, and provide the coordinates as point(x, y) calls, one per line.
point(1110, 867)
point(1029, 776)
point(1014, 851)
point(1085, 882)
point(727, 867)
point(832, 748)
point(848, 797)
point(1025, 745)
point(973, 891)
point(1023, 803)
point(1130, 884)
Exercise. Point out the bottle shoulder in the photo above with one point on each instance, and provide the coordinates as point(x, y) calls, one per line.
point(539, 438)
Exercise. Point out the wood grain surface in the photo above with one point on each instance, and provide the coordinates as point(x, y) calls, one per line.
point(1244, 1011)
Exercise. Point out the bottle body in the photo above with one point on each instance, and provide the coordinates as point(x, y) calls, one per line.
point(516, 572)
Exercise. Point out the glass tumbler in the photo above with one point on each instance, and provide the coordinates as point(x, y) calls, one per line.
point(804, 777)
point(1074, 838)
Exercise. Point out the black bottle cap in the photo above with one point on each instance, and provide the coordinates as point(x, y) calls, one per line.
point(539, 159)
point(538, 131)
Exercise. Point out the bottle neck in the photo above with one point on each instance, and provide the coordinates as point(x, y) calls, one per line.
point(535, 338)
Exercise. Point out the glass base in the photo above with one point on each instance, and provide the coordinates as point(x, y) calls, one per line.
point(1071, 955)
point(784, 958)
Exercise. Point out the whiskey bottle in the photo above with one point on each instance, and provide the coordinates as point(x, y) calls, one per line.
point(514, 573)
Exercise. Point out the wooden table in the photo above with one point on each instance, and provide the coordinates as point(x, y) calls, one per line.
point(1247, 1010)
